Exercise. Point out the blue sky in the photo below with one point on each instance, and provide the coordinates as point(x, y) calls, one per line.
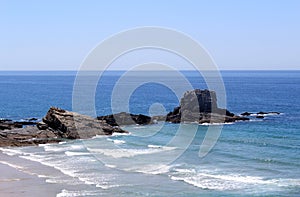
point(57, 35)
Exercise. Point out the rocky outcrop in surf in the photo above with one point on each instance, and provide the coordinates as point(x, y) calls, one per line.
point(10, 124)
point(260, 114)
point(27, 136)
point(56, 126)
point(198, 106)
point(201, 106)
point(124, 118)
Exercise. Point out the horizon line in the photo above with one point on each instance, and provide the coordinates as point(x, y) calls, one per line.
point(148, 70)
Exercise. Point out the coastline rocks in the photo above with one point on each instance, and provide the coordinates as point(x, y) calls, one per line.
point(196, 106)
point(71, 125)
point(246, 114)
point(124, 118)
point(261, 113)
point(56, 126)
point(9, 124)
point(27, 137)
point(195, 101)
point(201, 106)
point(268, 113)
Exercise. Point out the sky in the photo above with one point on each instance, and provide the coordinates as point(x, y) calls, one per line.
point(239, 35)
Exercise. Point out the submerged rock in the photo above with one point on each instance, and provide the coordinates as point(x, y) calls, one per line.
point(267, 113)
point(261, 113)
point(246, 114)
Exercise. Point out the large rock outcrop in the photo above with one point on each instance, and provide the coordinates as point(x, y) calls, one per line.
point(195, 106)
point(56, 126)
point(201, 106)
point(198, 106)
point(71, 125)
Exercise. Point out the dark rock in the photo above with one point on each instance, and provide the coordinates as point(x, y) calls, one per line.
point(201, 106)
point(24, 123)
point(198, 106)
point(246, 114)
point(265, 113)
point(198, 101)
point(8, 125)
point(262, 113)
point(42, 126)
point(141, 119)
point(239, 118)
point(124, 118)
point(5, 120)
point(28, 136)
point(57, 125)
point(72, 125)
point(32, 119)
point(274, 112)
point(176, 118)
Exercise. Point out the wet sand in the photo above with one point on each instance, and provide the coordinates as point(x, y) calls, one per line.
point(16, 181)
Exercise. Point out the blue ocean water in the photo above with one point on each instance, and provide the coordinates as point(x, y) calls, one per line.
point(255, 158)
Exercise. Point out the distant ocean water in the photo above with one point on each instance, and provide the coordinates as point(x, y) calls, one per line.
point(256, 158)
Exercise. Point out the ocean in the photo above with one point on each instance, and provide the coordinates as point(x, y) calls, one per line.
point(260, 157)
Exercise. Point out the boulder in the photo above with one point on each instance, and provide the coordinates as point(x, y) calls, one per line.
point(201, 106)
point(71, 125)
point(124, 118)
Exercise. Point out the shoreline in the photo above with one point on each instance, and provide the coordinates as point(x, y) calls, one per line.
point(17, 180)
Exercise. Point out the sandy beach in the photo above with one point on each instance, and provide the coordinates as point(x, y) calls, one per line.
point(17, 180)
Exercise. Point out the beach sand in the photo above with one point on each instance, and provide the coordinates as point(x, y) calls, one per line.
point(16, 180)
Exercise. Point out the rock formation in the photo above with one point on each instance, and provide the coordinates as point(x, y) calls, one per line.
point(195, 106)
point(260, 115)
point(198, 106)
point(201, 106)
point(124, 118)
point(72, 125)
point(56, 126)
point(27, 136)
point(9, 124)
